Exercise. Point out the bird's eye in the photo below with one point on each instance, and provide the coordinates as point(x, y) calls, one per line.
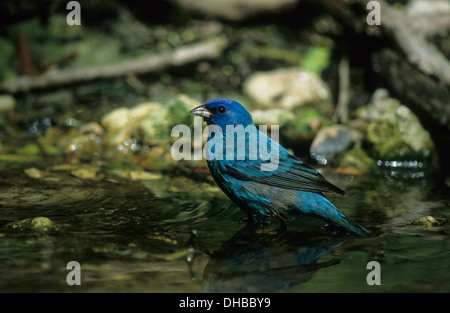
point(221, 109)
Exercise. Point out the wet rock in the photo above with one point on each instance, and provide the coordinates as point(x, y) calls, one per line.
point(42, 175)
point(147, 124)
point(143, 175)
point(394, 132)
point(393, 140)
point(272, 117)
point(92, 128)
point(35, 173)
point(88, 172)
point(7, 103)
point(235, 9)
point(332, 141)
point(86, 145)
point(122, 124)
point(42, 224)
point(426, 222)
point(128, 118)
point(288, 88)
point(304, 127)
point(355, 162)
point(140, 111)
point(157, 126)
point(116, 120)
point(37, 224)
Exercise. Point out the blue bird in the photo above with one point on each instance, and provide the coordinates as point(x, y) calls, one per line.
point(287, 187)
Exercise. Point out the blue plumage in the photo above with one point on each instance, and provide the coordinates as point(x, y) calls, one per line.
point(286, 186)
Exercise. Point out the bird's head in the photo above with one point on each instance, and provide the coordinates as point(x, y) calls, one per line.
point(223, 112)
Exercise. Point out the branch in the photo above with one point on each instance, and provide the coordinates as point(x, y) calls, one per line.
point(406, 32)
point(411, 39)
point(209, 49)
point(341, 113)
point(416, 72)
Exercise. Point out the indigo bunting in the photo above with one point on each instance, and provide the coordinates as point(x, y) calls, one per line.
point(282, 187)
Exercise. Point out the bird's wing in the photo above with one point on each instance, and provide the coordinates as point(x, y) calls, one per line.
point(291, 173)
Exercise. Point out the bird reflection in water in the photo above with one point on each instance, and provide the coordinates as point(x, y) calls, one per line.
point(266, 261)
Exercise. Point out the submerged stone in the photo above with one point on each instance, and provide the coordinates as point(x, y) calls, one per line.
point(38, 224)
point(42, 224)
point(426, 222)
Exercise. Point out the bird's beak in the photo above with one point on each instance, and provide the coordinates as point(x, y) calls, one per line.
point(201, 111)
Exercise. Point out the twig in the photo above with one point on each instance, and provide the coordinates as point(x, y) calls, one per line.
point(341, 113)
point(26, 61)
point(208, 49)
point(412, 41)
point(417, 73)
point(404, 31)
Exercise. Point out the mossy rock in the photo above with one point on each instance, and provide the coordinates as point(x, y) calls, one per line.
point(427, 222)
point(305, 125)
point(356, 161)
point(398, 135)
point(157, 126)
point(37, 224)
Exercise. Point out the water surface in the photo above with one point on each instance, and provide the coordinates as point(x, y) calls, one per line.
point(170, 233)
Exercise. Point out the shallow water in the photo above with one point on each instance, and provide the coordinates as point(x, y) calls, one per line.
point(164, 233)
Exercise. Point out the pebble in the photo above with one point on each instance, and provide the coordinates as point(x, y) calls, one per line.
point(35, 173)
point(333, 140)
point(7, 103)
point(91, 172)
point(288, 88)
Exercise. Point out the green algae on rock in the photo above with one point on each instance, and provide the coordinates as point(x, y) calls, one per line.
point(426, 222)
point(395, 133)
point(38, 224)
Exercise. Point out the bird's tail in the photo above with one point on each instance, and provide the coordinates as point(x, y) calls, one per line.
point(352, 226)
point(319, 206)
